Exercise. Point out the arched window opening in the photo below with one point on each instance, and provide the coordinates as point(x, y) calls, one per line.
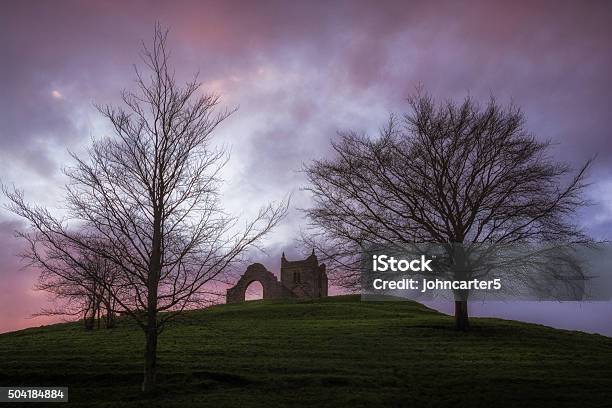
point(254, 291)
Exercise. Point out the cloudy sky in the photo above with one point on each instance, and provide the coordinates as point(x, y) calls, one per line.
point(299, 72)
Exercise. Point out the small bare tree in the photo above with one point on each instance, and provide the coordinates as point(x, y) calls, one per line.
point(87, 288)
point(151, 192)
point(448, 174)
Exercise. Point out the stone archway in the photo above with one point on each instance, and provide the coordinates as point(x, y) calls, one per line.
point(272, 288)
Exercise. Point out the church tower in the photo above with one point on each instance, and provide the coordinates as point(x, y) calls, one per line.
point(305, 278)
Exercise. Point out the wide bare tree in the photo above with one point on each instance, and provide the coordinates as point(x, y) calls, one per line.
point(447, 173)
point(151, 192)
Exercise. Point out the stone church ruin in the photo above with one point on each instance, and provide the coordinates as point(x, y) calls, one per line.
point(304, 279)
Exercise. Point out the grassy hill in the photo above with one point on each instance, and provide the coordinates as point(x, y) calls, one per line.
point(334, 352)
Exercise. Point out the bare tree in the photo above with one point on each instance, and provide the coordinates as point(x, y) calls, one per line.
point(449, 174)
point(151, 192)
point(85, 289)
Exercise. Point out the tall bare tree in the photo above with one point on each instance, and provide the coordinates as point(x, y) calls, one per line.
point(444, 173)
point(151, 191)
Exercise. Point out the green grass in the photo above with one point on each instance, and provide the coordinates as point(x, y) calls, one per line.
point(334, 352)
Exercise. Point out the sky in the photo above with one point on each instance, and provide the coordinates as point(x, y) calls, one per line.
point(299, 72)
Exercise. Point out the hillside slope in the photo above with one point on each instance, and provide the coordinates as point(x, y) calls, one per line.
point(335, 352)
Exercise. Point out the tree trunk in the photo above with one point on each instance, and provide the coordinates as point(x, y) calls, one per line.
point(461, 273)
point(99, 314)
point(150, 367)
point(110, 315)
point(462, 321)
point(90, 316)
point(87, 320)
